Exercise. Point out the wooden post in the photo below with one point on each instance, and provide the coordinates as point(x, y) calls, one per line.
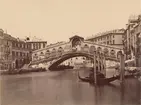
point(94, 67)
point(101, 62)
point(104, 63)
point(122, 67)
point(98, 59)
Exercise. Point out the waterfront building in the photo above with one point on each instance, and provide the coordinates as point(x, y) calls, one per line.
point(21, 53)
point(1, 52)
point(113, 38)
point(14, 53)
point(131, 39)
point(5, 50)
point(35, 43)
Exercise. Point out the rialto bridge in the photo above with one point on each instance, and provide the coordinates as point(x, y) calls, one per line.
point(77, 46)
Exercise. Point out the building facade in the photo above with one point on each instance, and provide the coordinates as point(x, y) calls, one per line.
point(35, 45)
point(5, 50)
point(113, 38)
point(132, 39)
point(14, 53)
point(21, 53)
point(1, 52)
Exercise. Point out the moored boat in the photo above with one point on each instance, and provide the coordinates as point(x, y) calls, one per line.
point(100, 81)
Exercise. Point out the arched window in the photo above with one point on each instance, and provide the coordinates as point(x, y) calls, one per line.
point(106, 51)
point(53, 52)
point(99, 49)
point(41, 53)
point(35, 57)
point(112, 53)
point(47, 53)
point(60, 51)
point(118, 54)
point(92, 49)
point(86, 48)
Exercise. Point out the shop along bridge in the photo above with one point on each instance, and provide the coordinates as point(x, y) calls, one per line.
point(57, 53)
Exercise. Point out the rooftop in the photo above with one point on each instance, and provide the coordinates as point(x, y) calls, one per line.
point(106, 32)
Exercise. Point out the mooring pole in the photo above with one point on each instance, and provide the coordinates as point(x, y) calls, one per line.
point(101, 62)
point(94, 67)
point(122, 67)
point(104, 63)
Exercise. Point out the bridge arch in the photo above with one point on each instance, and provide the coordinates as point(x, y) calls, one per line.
point(68, 56)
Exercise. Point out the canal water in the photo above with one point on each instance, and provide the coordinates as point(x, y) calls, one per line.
point(64, 88)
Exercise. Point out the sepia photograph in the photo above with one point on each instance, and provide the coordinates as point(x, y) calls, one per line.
point(70, 52)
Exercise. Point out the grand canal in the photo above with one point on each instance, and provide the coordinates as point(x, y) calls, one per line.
point(64, 88)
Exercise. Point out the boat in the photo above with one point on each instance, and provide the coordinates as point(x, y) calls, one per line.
point(100, 81)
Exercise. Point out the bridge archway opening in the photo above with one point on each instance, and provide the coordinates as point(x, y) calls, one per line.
point(54, 65)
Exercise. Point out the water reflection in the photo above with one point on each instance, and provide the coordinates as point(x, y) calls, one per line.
point(61, 88)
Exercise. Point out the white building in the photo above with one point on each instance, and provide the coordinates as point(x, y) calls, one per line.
point(112, 38)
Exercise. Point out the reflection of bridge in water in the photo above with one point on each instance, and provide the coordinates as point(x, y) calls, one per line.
point(77, 46)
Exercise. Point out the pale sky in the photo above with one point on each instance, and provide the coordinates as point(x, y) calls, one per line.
point(57, 20)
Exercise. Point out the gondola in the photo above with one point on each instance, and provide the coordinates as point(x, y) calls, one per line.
point(100, 81)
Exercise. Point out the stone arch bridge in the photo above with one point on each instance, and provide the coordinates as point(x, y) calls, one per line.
point(77, 46)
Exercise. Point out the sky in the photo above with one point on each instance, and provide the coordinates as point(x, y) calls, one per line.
point(58, 20)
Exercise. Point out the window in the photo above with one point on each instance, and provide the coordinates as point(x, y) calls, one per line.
point(13, 53)
point(113, 41)
point(16, 44)
point(36, 46)
point(110, 42)
point(20, 54)
point(23, 54)
point(44, 45)
point(42, 53)
point(13, 44)
point(16, 53)
point(33, 45)
point(25, 45)
point(39, 45)
point(27, 54)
